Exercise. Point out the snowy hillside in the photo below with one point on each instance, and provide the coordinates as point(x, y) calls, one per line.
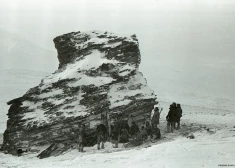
point(16, 51)
point(205, 84)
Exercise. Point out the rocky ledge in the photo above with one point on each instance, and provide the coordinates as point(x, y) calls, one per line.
point(97, 74)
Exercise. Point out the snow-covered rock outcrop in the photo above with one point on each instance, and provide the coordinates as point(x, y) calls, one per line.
point(98, 74)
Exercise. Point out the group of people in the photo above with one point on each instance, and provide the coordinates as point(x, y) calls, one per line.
point(130, 134)
point(173, 117)
point(133, 135)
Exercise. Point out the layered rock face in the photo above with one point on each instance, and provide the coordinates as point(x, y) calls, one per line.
point(98, 74)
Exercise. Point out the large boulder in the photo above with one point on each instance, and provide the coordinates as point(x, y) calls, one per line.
point(97, 74)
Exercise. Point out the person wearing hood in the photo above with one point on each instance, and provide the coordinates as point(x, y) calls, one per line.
point(156, 117)
point(179, 115)
point(171, 117)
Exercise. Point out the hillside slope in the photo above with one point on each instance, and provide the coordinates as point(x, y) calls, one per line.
point(18, 53)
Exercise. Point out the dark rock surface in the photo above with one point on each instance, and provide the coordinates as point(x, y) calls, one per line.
point(97, 74)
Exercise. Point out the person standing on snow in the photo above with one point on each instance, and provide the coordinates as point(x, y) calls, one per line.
point(174, 114)
point(149, 130)
point(139, 138)
point(156, 117)
point(156, 133)
point(134, 129)
point(115, 133)
point(101, 131)
point(144, 133)
point(124, 137)
point(179, 115)
point(81, 138)
point(171, 117)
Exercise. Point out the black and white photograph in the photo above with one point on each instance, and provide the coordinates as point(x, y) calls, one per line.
point(117, 83)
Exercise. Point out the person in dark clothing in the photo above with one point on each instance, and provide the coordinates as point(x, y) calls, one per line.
point(149, 129)
point(134, 129)
point(124, 125)
point(144, 133)
point(115, 134)
point(138, 139)
point(81, 138)
point(171, 117)
point(156, 133)
point(101, 131)
point(179, 115)
point(124, 137)
point(174, 114)
point(156, 117)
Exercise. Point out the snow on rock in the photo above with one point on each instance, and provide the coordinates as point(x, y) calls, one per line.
point(136, 87)
point(97, 74)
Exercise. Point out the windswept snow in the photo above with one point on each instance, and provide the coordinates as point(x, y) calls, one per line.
point(91, 61)
point(35, 116)
point(39, 116)
point(112, 45)
point(95, 39)
point(31, 105)
point(126, 69)
point(209, 149)
point(87, 80)
point(136, 86)
point(53, 92)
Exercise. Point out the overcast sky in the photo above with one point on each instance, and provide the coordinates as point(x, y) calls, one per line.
point(167, 28)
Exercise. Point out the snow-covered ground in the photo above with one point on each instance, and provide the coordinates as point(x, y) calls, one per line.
point(210, 148)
